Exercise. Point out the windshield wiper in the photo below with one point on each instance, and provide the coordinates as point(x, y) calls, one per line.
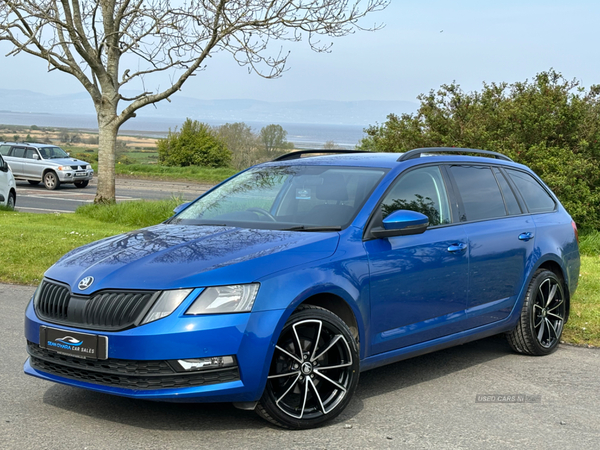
point(313, 228)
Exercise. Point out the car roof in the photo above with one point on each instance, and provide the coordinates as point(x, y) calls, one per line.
point(393, 160)
point(30, 144)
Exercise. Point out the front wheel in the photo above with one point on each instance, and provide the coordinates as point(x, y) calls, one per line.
point(51, 181)
point(81, 184)
point(11, 202)
point(542, 317)
point(314, 371)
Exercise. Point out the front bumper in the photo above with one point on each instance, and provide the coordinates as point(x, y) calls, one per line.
point(71, 176)
point(246, 336)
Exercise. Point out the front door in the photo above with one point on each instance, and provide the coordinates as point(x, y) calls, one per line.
point(418, 283)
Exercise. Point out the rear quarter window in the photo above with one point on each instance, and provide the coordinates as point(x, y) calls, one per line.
point(4, 150)
point(536, 198)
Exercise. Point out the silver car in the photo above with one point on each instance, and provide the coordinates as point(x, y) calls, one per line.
point(47, 163)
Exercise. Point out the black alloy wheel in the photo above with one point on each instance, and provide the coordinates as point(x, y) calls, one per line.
point(543, 316)
point(314, 371)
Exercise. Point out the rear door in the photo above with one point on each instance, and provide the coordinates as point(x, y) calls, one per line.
point(501, 238)
point(14, 158)
point(418, 283)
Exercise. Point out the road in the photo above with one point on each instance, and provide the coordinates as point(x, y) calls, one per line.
point(67, 198)
point(427, 402)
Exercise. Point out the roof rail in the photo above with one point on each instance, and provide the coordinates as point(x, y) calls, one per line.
point(298, 154)
point(416, 153)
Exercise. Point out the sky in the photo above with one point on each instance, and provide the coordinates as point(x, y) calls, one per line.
point(425, 43)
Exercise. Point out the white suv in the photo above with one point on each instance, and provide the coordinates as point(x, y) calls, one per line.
point(47, 163)
point(8, 193)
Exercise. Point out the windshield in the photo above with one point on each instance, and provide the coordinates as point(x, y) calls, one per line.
point(304, 198)
point(52, 153)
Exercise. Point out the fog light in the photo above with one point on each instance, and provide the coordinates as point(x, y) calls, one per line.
point(217, 362)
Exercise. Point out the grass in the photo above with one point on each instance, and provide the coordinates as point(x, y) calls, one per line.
point(33, 242)
point(583, 327)
point(198, 174)
point(137, 214)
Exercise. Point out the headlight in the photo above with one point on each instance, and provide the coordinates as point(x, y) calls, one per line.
point(63, 168)
point(166, 304)
point(88, 167)
point(225, 299)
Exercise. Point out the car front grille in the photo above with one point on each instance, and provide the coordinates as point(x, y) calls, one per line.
point(130, 374)
point(110, 310)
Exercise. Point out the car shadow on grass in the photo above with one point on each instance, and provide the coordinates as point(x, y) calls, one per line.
point(224, 416)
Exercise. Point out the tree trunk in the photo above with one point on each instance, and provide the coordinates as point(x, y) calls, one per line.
point(107, 133)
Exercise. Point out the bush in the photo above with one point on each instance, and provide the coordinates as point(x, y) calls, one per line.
point(195, 145)
point(550, 124)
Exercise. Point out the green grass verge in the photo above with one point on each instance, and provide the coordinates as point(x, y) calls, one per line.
point(33, 242)
point(191, 173)
point(137, 214)
point(583, 327)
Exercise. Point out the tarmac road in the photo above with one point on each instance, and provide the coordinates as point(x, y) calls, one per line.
point(67, 197)
point(427, 402)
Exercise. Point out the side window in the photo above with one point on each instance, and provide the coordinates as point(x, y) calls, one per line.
point(512, 205)
point(420, 190)
point(479, 191)
point(18, 152)
point(4, 150)
point(535, 196)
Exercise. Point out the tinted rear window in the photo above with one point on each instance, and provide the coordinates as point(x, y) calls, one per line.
point(479, 191)
point(535, 196)
point(4, 149)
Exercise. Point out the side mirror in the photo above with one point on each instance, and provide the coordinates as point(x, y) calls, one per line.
point(4, 167)
point(181, 207)
point(402, 223)
point(36, 156)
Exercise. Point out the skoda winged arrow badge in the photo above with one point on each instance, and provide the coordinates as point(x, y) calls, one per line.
point(85, 283)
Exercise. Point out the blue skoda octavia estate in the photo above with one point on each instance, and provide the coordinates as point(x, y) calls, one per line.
point(276, 288)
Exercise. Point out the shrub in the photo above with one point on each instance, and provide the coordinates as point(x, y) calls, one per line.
point(194, 145)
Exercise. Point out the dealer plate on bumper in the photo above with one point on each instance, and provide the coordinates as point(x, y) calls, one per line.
point(72, 343)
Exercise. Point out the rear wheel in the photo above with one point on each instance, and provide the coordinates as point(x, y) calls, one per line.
point(542, 316)
point(51, 181)
point(81, 184)
point(34, 182)
point(314, 371)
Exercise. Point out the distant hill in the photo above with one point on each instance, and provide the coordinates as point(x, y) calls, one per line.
point(362, 113)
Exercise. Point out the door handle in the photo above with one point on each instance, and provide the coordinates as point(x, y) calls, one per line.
point(526, 236)
point(457, 247)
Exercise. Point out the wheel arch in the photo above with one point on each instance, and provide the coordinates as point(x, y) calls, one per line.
point(340, 308)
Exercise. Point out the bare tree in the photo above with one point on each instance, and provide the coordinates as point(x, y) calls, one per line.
point(92, 40)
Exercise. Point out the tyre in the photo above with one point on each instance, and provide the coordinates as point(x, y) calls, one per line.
point(81, 184)
point(51, 181)
point(542, 317)
point(33, 182)
point(314, 371)
point(11, 201)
